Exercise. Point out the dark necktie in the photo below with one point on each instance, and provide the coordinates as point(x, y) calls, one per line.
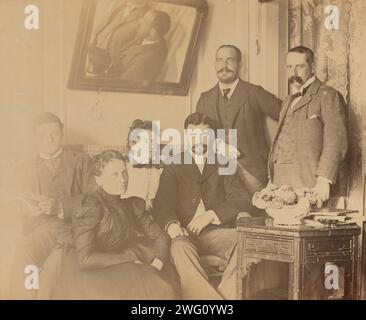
point(52, 164)
point(226, 92)
point(299, 94)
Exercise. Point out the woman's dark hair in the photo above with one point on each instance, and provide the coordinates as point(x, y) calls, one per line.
point(99, 161)
point(139, 124)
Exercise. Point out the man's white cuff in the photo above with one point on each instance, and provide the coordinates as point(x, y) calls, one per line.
point(157, 263)
point(323, 179)
point(60, 213)
point(170, 223)
point(215, 219)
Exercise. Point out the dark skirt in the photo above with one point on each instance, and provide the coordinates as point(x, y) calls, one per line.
point(62, 279)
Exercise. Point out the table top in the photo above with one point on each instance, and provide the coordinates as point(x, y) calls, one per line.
point(264, 225)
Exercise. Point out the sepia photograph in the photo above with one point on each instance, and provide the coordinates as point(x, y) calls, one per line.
point(182, 150)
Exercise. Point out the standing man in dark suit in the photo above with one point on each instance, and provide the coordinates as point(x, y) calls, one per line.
point(198, 208)
point(311, 142)
point(49, 186)
point(236, 104)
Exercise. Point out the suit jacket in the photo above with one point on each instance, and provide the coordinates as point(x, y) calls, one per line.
point(182, 187)
point(141, 62)
point(255, 102)
point(321, 133)
point(108, 230)
point(77, 178)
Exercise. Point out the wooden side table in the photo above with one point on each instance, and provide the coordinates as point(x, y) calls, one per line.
point(300, 247)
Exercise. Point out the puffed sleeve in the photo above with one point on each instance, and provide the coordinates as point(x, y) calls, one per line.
point(85, 227)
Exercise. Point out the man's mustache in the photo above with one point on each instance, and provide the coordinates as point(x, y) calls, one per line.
point(225, 69)
point(292, 79)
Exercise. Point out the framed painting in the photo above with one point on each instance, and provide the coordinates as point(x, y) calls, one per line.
point(142, 46)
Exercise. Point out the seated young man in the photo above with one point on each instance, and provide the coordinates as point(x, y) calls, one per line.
point(48, 186)
point(198, 208)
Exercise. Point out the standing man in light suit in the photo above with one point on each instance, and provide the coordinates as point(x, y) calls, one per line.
point(311, 142)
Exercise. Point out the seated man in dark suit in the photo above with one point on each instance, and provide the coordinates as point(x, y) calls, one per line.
point(144, 57)
point(198, 208)
point(49, 186)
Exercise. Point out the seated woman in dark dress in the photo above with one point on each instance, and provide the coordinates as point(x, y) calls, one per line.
point(119, 250)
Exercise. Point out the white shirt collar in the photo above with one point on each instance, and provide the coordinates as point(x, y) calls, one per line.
point(232, 86)
point(304, 86)
point(49, 157)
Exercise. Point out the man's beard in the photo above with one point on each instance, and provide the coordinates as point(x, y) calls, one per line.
point(297, 79)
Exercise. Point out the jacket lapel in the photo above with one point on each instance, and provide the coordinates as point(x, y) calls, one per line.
point(35, 183)
point(313, 89)
point(69, 159)
point(191, 167)
point(195, 172)
point(208, 170)
point(285, 106)
point(217, 94)
point(240, 91)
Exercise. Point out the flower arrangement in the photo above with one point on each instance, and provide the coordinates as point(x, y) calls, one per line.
point(285, 204)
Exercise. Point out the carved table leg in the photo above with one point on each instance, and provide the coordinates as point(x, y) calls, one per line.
point(290, 280)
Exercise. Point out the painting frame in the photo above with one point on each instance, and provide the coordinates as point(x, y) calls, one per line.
point(79, 81)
